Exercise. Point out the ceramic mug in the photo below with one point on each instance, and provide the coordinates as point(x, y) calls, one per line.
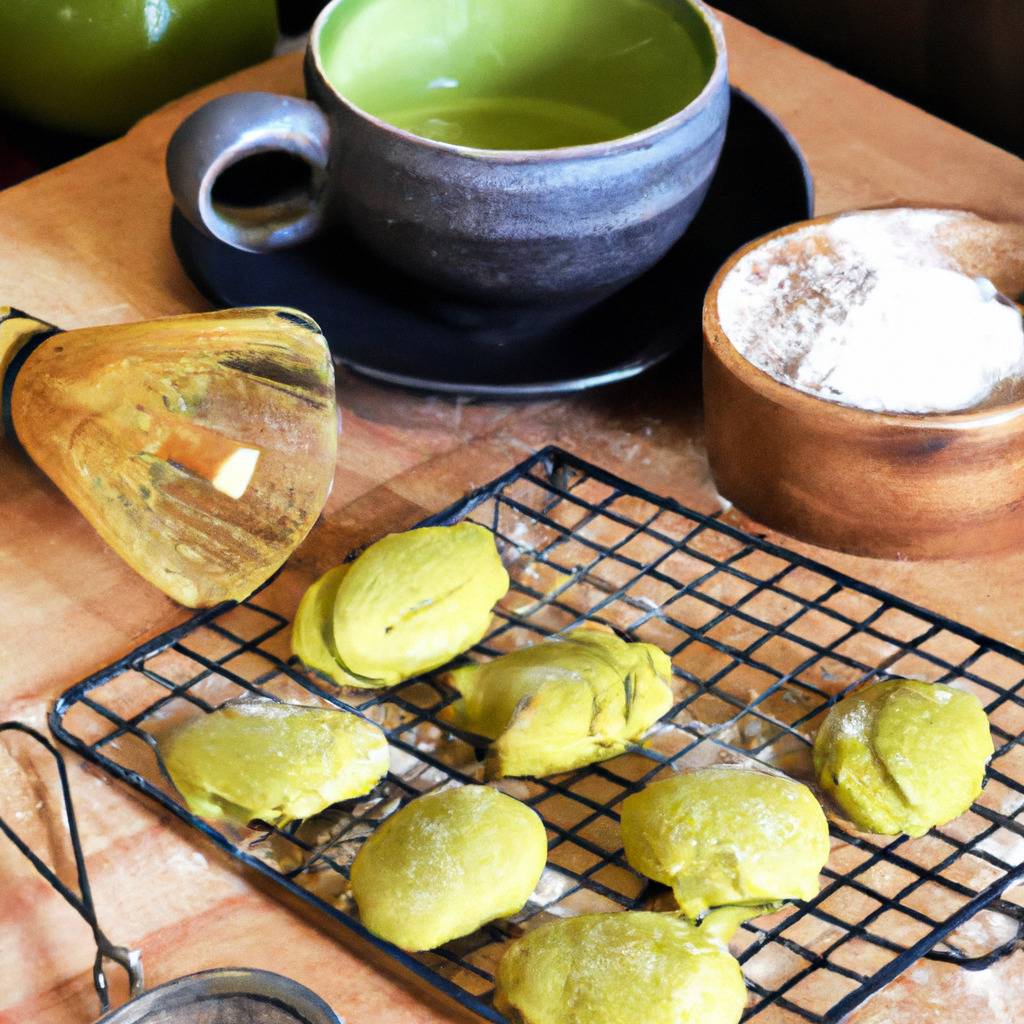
point(514, 152)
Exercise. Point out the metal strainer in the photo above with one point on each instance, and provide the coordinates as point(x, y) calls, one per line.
point(230, 995)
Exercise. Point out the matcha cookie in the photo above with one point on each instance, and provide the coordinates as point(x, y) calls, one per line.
point(313, 633)
point(446, 864)
point(726, 836)
point(619, 968)
point(903, 755)
point(406, 605)
point(261, 760)
point(564, 703)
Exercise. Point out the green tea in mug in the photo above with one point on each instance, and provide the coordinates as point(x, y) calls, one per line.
point(518, 74)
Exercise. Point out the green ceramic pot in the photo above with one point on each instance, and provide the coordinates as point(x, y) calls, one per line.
point(94, 67)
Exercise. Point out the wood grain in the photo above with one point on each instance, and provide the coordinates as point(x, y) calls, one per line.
point(884, 485)
point(88, 244)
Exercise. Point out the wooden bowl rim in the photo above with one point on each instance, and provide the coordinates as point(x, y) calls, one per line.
point(804, 404)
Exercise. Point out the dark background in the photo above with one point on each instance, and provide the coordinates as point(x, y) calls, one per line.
point(960, 59)
point(963, 60)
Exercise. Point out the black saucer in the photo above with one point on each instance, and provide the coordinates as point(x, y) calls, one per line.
point(385, 326)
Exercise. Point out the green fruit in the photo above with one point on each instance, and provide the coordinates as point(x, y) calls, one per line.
point(446, 864)
point(259, 760)
point(414, 600)
point(94, 67)
point(619, 968)
point(567, 702)
point(313, 632)
point(725, 836)
point(903, 755)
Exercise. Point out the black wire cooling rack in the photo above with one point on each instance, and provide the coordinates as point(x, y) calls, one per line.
point(763, 641)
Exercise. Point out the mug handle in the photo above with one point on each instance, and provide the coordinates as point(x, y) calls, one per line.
point(250, 169)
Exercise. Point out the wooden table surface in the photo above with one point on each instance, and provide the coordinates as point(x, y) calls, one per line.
point(88, 243)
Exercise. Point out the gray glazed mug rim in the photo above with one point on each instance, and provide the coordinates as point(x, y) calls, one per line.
point(624, 143)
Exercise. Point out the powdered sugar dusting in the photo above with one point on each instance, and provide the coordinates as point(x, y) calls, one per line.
point(873, 310)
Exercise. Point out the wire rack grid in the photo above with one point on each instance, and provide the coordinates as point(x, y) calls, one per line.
point(763, 641)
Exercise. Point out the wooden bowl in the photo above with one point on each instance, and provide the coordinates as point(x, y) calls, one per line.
point(889, 485)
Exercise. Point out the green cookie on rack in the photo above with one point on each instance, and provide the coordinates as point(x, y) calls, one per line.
point(446, 864)
point(261, 760)
point(564, 703)
point(408, 604)
point(727, 837)
point(625, 967)
point(903, 755)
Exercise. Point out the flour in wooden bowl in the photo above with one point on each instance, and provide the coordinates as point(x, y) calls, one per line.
point(882, 310)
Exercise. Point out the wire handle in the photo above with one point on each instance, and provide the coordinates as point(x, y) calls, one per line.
point(129, 959)
point(20, 336)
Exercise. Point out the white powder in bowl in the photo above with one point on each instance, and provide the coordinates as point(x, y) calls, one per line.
point(873, 310)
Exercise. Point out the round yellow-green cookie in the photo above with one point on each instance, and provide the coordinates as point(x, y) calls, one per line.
point(725, 836)
point(446, 864)
point(903, 755)
point(414, 600)
point(621, 968)
point(563, 703)
point(267, 761)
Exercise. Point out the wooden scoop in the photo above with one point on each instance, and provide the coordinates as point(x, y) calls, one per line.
point(200, 447)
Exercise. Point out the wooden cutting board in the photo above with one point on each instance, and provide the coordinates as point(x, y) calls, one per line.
point(88, 243)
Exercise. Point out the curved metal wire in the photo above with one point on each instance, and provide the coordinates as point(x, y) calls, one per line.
point(82, 902)
point(953, 955)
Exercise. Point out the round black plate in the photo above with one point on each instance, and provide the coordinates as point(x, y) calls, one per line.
point(383, 325)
